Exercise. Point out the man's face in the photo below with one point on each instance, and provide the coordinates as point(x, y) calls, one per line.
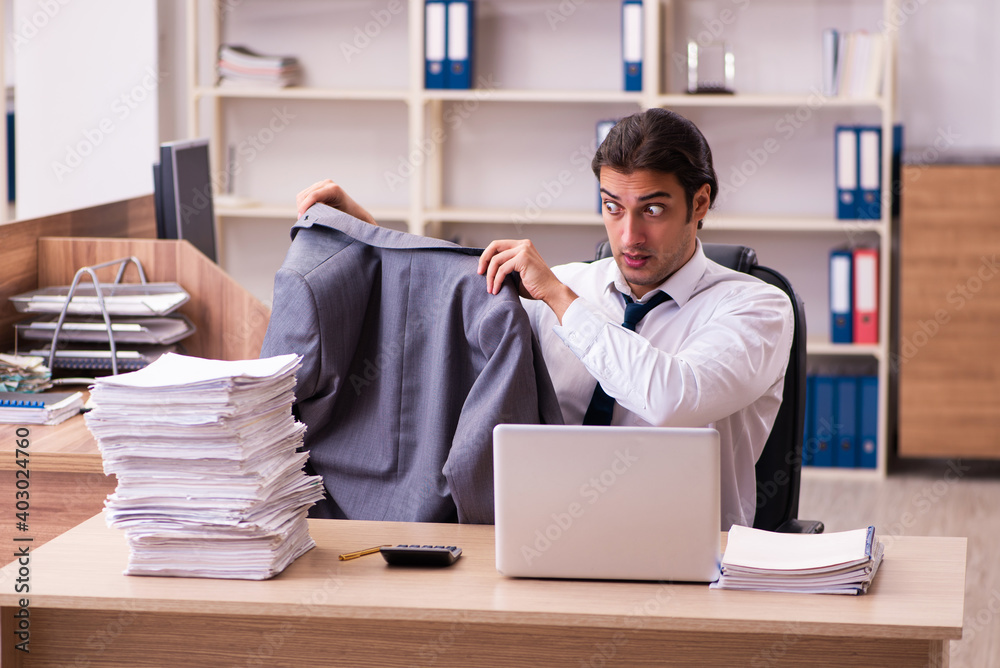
point(651, 231)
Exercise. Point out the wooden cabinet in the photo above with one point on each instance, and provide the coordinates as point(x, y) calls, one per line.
point(949, 347)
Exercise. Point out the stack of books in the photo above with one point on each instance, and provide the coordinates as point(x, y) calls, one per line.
point(853, 63)
point(210, 479)
point(239, 66)
point(828, 563)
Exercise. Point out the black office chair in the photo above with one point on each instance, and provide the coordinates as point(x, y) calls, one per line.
point(780, 465)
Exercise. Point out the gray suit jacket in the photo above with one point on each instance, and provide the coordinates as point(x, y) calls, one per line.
point(408, 364)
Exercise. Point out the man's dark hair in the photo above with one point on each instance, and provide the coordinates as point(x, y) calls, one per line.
point(664, 141)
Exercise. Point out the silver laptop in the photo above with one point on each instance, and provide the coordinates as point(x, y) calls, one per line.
point(618, 503)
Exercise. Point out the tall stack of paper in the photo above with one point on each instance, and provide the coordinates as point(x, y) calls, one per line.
point(210, 482)
point(826, 563)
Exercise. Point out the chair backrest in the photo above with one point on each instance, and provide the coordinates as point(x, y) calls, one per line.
point(779, 468)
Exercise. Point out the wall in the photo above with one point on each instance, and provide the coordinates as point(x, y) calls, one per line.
point(948, 95)
point(91, 63)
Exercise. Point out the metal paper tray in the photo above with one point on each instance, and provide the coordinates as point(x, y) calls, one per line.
point(121, 299)
point(136, 330)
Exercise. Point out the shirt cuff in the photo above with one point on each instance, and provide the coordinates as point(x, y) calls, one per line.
point(581, 324)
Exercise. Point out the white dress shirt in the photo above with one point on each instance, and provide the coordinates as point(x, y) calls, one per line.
point(714, 356)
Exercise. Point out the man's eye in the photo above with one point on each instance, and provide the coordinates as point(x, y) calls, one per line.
point(612, 207)
point(654, 210)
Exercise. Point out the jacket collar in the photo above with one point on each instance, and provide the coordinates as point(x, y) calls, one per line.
point(323, 216)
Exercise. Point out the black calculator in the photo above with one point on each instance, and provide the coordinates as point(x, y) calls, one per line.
point(421, 555)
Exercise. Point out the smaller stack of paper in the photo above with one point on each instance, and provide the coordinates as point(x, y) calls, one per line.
point(210, 479)
point(46, 408)
point(241, 66)
point(829, 563)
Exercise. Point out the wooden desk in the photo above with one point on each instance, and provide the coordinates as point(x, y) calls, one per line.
point(68, 447)
point(67, 481)
point(322, 612)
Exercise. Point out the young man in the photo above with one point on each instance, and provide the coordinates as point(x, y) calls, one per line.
point(712, 348)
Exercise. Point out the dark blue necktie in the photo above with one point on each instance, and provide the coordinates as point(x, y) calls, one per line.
point(601, 405)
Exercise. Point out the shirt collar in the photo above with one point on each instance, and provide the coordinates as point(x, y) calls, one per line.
point(680, 285)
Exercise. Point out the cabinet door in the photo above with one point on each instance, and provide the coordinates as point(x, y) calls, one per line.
point(949, 352)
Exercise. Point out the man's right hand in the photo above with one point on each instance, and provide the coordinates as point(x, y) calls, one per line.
point(329, 193)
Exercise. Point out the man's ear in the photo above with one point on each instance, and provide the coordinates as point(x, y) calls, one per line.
point(701, 201)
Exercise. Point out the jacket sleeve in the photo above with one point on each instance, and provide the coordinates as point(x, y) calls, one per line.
point(294, 328)
point(507, 390)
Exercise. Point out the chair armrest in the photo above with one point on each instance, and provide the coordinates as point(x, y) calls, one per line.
point(800, 526)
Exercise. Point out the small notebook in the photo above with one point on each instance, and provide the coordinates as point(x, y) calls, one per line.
point(43, 408)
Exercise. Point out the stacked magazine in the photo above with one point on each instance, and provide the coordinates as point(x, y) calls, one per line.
point(239, 66)
point(832, 563)
point(210, 479)
point(24, 373)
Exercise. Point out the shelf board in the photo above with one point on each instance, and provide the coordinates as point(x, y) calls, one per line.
point(526, 95)
point(302, 93)
point(823, 346)
point(812, 100)
point(280, 212)
point(840, 473)
point(568, 217)
point(501, 95)
point(513, 217)
point(791, 224)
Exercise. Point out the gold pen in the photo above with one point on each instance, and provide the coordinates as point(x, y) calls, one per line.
point(361, 553)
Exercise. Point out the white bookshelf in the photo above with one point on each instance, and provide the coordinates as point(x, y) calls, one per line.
point(543, 85)
point(6, 210)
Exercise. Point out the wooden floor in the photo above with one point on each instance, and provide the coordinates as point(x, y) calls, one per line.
point(949, 498)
